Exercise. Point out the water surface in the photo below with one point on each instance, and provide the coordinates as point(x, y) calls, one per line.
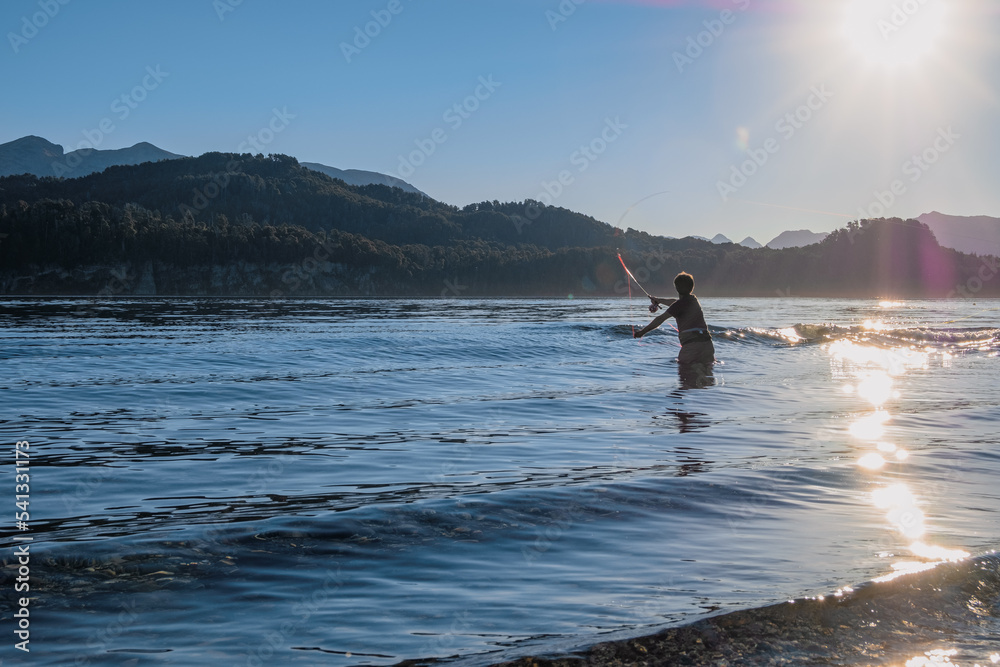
point(348, 482)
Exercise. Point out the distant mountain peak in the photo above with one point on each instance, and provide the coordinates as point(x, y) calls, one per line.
point(33, 140)
point(29, 155)
point(796, 239)
point(977, 234)
point(362, 177)
point(720, 238)
point(39, 156)
point(751, 242)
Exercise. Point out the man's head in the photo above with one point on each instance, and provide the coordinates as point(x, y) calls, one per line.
point(684, 282)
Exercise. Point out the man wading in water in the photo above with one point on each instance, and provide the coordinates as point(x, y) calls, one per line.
point(697, 350)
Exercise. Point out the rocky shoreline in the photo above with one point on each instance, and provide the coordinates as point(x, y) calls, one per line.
point(907, 620)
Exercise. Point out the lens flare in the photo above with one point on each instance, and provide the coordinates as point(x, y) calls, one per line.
point(742, 138)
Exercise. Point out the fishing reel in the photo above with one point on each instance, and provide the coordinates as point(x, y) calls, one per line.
point(654, 306)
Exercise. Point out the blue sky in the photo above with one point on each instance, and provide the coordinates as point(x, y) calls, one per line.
point(745, 117)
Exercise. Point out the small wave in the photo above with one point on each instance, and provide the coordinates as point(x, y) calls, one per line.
point(818, 334)
point(811, 334)
point(951, 611)
point(797, 334)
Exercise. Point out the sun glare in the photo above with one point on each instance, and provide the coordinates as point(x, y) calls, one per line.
point(893, 33)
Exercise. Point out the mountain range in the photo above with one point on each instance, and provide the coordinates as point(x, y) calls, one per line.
point(978, 234)
point(361, 177)
point(796, 239)
point(973, 234)
point(787, 239)
point(40, 157)
point(748, 242)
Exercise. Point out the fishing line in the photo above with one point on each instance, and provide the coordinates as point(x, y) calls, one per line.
point(629, 209)
point(631, 315)
point(987, 310)
point(653, 306)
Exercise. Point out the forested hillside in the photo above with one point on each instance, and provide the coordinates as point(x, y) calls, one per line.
point(255, 225)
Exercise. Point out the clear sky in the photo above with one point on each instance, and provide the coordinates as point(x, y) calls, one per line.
point(745, 117)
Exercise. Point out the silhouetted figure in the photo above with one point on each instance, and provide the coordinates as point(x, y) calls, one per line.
point(697, 355)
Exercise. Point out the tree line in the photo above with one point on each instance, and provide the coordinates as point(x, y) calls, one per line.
point(295, 227)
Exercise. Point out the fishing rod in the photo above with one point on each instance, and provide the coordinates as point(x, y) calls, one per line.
point(655, 306)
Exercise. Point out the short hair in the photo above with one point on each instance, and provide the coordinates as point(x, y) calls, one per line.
point(684, 282)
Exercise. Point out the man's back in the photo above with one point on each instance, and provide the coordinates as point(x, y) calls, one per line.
point(687, 311)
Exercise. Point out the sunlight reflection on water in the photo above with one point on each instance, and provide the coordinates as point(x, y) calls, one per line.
point(940, 657)
point(872, 368)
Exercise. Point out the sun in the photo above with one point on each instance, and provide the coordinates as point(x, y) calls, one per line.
point(895, 33)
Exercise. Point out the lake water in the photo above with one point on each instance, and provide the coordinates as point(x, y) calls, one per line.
point(361, 482)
